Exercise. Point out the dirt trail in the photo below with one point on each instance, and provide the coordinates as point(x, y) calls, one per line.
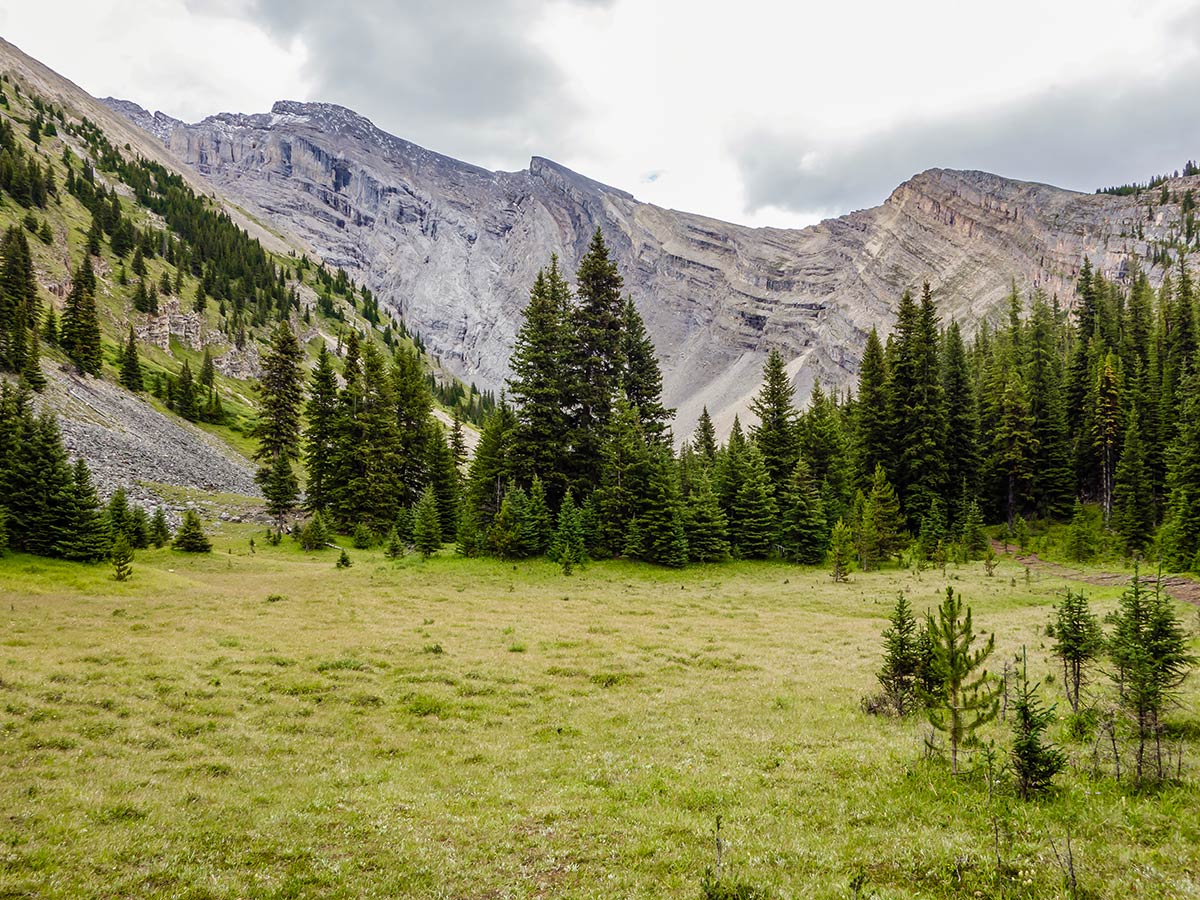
point(1178, 586)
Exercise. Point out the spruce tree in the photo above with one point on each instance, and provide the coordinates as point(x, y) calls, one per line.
point(662, 521)
point(621, 496)
point(160, 531)
point(320, 433)
point(1033, 759)
point(131, 368)
point(1151, 657)
point(507, 534)
point(444, 478)
point(1080, 538)
point(755, 514)
point(1181, 530)
point(427, 524)
point(280, 488)
point(191, 537)
point(281, 391)
point(804, 531)
point(705, 438)
point(122, 558)
point(641, 378)
point(776, 435)
point(594, 359)
point(898, 676)
point(31, 370)
point(962, 423)
point(185, 398)
point(538, 527)
point(705, 525)
point(80, 338)
point(1106, 430)
point(881, 525)
point(1078, 642)
point(567, 548)
point(1133, 499)
point(492, 468)
point(873, 444)
point(87, 537)
point(138, 529)
point(974, 538)
point(968, 697)
point(841, 551)
point(1052, 482)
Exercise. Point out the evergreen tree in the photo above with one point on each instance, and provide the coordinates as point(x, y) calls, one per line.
point(280, 488)
point(507, 535)
point(122, 558)
point(1080, 539)
point(1133, 500)
point(492, 468)
point(880, 532)
point(31, 369)
point(131, 368)
point(898, 675)
point(974, 538)
point(281, 392)
point(119, 519)
point(80, 338)
point(1052, 482)
point(594, 360)
point(841, 550)
point(754, 523)
point(776, 436)
point(185, 398)
point(139, 529)
point(621, 496)
point(1150, 653)
point(1106, 431)
point(1078, 642)
point(641, 378)
point(1181, 531)
point(874, 441)
point(160, 531)
point(968, 697)
point(1013, 443)
point(427, 524)
point(444, 478)
point(1034, 760)
point(393, 548)
point(87, 537)
point(538, 528)
point(191, 537)
point(962, 423)
point(705, 526)
point(804, 531)
point(321, 431)
point(705, 438)
point(662, 521)
point(567, 549)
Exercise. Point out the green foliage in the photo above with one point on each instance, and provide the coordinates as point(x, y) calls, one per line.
point(841, 551)
point(363, 538)
point(879, 532)
point(1081, 538)
point(427, 525)
point(777, 434)
point(705, 526)
point(567, 548)
point(898, 675)
point(131, 369)
point(315, 533)
point(1078, 642)
point(86, 535)
point(968, 696)
point(191, 537)
point(1033, 759)
point(343, 561)
point(804, 531)
point(160, 531)
point(122, 558)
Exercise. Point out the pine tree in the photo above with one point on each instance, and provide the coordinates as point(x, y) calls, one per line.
point(962, 423)
point(185, 396)
point(1133, 500)
point(1034, 760)
point(281, 390)
point(160, 531)
point(841, 551)
point(898, 675)
point(755, 514)
point(1052, 482)
point(444, 478)
point(139, 529)
point(594, 359)
point(1181, 531)
point(776, 436)
point(191, 538)
point(80, 338)
point(641, 378)
point(393, 547)
point(538, 528)
point(492, 468)
point(804, 531)
point(87, 536)
point(621, 495)
point(343, 560)
point(1080, 539)
point(122, 558)
point(567, 549)
point(974, 538)
point(968, 698)
point(662, 521)
point(705, 438)
point(119, 519)
point(880, 533)
point(280, 488)
point(874, 444)
point(1078, 642)
point(1013, 443)
point(320, 434)
point(1106, 431)
point(131, 368)
point(1150, 653)
point(705, 525)
point(31, 369)
point(507, 535)
point(427, 525)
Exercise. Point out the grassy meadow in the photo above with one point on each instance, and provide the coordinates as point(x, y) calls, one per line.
point(262, 726)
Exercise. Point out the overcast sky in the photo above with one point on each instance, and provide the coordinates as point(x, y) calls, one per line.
point(758, 111)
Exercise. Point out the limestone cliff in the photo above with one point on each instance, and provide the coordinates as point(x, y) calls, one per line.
point(453, 248)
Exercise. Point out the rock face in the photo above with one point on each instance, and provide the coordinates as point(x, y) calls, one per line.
point(454, 248)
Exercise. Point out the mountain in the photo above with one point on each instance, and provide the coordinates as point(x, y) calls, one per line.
point(454, 248)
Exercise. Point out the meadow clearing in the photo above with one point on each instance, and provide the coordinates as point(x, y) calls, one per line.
point(263, 725)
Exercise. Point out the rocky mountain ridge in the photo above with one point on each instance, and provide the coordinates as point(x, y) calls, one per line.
point(454, 247)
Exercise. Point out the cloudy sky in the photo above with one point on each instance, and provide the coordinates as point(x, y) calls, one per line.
point(758, 111)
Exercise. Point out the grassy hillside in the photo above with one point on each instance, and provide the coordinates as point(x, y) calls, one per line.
point(263, 725)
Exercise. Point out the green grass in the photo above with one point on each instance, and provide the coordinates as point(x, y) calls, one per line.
point(264, 725)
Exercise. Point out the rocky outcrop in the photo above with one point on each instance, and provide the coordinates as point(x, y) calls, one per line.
point(453, 249)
